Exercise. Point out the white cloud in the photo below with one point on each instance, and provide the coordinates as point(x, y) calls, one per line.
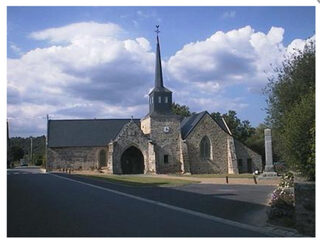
point(109, 75)
point(77, 31)
point(15, 49)
point(238, 56)
point(227, 59)
point(90, 72)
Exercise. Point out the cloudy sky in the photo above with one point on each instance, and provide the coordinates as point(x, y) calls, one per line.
point(98, 62)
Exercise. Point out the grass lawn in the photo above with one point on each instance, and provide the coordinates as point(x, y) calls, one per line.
point(135, 180)
point(245, 175)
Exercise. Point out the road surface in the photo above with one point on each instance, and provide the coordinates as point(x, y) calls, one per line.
point(50, 205)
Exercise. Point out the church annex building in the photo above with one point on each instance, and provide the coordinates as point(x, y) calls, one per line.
point(161, 142)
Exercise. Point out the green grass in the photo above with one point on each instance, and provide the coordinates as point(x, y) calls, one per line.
point(245, 175)
point(141, 180)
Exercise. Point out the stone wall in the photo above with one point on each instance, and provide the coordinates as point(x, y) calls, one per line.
point(232, 156)
point(166, 143)
point(218, 138)
point(244, 153)
point(77, 158)
point(146, 125)
point(305, 207)
point(184, 157)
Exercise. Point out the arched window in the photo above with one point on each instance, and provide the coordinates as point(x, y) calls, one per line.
point(205, 148)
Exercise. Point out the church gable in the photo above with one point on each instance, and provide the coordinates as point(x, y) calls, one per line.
point(207, 146)
point(131, 131)
point(189, 123)
point(129, 138)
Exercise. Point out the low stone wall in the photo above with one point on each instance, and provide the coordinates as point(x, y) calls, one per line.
point(305, 207)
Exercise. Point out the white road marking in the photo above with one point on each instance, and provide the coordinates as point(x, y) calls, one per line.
point(266, 231)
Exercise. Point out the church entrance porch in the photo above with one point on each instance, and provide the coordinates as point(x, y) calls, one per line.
point(132, 161)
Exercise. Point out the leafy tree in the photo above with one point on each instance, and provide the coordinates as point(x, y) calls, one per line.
point(216, 115)
point(16, 153)
point(256, 140)
point(291, 110)
point(182, 110)
point(241, 130)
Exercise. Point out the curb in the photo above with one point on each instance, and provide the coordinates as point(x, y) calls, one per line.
point(282, 231)
point(43, 170)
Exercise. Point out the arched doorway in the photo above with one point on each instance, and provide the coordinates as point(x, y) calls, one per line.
point(102, 158)
point(132, 161)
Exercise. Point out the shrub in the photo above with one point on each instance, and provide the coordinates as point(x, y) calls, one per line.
point(282, 202)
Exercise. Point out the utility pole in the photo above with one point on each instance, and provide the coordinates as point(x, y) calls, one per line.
point(8, 146)
point(47, 142)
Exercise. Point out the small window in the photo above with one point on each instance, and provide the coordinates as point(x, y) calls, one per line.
point(151, 100)
point(166, 99)
point(240, 162)
point(159, 98)
point(166, 159)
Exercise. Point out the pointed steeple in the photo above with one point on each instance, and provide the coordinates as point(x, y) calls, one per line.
point(160, 98)
point(158, 73)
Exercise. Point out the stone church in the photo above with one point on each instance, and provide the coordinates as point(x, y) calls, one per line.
point(161, 142)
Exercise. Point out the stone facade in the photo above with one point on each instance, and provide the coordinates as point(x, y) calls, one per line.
point(165, 133)
point(78, 158)
point(182, 156)
point(217, 163)
point(131, 135)
point(245, 157)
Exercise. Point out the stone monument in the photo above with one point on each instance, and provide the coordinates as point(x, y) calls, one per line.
point(268, 169)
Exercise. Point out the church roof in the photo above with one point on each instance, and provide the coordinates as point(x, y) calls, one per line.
point(188, 123)
point(84, 132)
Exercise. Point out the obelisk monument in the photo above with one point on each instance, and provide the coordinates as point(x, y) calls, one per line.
point(268, 169)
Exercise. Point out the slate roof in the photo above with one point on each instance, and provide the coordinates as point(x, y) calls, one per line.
point(99, 132)
point(84, 132)
point(187, 124)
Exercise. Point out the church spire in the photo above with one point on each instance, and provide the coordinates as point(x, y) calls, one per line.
point(158, 72)
point(160, 98)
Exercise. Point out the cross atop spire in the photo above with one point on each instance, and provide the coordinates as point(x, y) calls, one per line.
point(157, 30)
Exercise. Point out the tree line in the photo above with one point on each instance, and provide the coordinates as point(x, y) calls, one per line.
point(20, 148)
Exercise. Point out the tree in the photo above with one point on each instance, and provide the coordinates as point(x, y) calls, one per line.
point(291, 110)
point(16, 153)
point(182, 110)
point(241, 130)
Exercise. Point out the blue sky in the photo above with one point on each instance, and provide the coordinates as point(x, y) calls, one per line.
point(87, 62)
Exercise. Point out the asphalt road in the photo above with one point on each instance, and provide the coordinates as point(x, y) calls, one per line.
point(44, 205)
